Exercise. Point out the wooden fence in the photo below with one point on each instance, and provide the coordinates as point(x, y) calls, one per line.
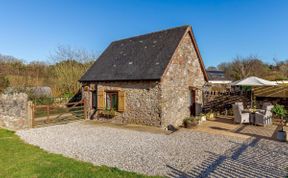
point(58, 113)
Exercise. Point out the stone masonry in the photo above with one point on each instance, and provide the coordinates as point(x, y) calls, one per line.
point(160, 103)
point(183, 73)
point(14, 111)
point(142, 101)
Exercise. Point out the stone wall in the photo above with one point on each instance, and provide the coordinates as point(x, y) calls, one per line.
point(183, 73)
point(142, 101)
point(14, 112)
point(164, 103)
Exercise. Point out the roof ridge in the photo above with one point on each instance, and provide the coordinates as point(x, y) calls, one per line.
point(142, 57)
point(150, 33)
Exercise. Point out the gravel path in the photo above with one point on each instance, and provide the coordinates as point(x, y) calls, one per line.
point(185, 153)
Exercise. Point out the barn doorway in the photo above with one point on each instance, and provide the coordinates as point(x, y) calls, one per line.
point(192, 102)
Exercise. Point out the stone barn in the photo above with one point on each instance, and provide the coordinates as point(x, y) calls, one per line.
point(153, 79)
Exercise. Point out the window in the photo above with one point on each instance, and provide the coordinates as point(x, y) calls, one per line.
point(107, 100)
point(112, 100)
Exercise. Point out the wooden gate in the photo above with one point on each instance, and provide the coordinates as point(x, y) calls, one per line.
point(43, 115)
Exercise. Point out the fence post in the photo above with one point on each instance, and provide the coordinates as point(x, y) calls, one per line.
point(30, 114)
point(48, 112)
point(85, 109)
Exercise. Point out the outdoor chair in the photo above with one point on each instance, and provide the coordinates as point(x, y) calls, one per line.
point(240, 104)
point(264, 107)
point(264, 119)
point(265, 104)
point(240, 117)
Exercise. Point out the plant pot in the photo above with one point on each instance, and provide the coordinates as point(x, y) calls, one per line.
point(281, 135)
point(187, 124)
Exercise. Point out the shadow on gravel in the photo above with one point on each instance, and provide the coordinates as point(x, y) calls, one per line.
point(255, 158)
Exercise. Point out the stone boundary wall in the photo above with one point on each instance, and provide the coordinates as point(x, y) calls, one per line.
point(15, 112)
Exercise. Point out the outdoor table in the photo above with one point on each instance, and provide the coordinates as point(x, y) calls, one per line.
point(252, 115)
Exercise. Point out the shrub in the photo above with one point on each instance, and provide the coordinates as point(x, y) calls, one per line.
point(108, 113)
point(43, 100)
point(191, 121)
point(4, 83)
point(280, 112)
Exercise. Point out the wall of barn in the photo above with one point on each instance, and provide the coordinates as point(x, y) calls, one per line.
point(183, 73)
point(142, 102)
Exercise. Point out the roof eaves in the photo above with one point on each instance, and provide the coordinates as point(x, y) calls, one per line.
point(198, 54)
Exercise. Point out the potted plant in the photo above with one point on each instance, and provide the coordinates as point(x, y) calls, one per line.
point(189, 122)
point(280, 112)
point(210, 115)
point(108, 113)
point(203, 117)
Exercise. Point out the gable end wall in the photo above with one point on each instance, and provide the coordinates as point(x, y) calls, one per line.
point(183, 72)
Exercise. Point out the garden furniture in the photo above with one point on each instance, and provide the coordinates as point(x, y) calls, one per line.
point(239, 116)
point(264, 119)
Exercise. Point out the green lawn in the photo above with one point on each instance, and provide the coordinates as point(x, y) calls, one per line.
point(18, 159)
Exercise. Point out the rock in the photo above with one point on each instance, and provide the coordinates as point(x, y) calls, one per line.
point(14, 111)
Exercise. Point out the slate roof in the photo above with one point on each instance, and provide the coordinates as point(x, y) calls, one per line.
point(143, 57)
point(214, 75)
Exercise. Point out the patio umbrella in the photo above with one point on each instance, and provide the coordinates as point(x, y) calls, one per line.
point(253, 81)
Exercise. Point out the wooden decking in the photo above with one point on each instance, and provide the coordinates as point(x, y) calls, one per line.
point(224, 125)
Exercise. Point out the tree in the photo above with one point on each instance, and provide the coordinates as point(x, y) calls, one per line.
point(226, 67)
point(70, 65)
point(38, 74)
point(241, 68)
point(4, 83)
point(280, 69)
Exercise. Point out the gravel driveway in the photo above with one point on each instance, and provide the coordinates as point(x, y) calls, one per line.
point(184, 153)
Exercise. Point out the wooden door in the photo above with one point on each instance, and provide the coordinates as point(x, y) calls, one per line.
point(192, 102)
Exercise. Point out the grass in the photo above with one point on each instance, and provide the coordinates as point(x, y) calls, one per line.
point(18, 159)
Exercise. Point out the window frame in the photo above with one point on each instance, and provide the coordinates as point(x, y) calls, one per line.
point(110, 93)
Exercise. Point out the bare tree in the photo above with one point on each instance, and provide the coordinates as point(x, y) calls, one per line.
point(241, 68)
point(70, 66)
point(63, 53)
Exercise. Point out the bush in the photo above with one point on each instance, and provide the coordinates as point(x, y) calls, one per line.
point(43, 100)
point(108, 113)
point(4, 83)
point(280, 112)
point(191, 121)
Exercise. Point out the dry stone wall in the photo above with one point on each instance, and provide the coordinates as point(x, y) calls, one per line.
point(14, 112)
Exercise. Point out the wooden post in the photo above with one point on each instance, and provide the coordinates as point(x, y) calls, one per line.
point(85, 109)
point(48, 112)
point(30, 114)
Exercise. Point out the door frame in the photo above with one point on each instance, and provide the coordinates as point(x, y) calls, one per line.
point(192, 106)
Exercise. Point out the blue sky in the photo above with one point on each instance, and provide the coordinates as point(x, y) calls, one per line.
point(32, 29)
